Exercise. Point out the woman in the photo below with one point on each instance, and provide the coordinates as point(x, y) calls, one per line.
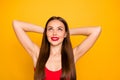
point(55, 59)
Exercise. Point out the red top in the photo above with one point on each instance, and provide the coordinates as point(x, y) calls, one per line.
point(52, 75)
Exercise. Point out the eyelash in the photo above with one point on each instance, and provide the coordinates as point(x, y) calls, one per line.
point(49, 28)
point(59, 29)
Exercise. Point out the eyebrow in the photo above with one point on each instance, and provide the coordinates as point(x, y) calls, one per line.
point(49, 26)
point(57, 27)
point(61, 26)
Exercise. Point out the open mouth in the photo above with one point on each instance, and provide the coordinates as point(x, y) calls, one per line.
point(54, 38)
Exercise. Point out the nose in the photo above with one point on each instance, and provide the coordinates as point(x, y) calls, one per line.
point(55, 32)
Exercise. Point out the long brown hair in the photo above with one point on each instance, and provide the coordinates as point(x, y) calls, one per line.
point(67, 59)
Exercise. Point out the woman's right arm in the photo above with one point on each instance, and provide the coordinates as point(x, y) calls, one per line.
point(20, 29)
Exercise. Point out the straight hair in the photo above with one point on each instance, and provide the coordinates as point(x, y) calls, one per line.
point(67, 58)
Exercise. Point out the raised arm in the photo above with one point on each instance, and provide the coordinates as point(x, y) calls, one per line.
point(92, 34)
point(20, 29)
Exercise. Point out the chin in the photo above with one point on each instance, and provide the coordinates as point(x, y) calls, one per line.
point(55, 44)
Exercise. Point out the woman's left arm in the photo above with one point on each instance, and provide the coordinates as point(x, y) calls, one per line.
point(92, 34)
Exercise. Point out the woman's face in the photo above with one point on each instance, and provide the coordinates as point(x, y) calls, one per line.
point(56, 32)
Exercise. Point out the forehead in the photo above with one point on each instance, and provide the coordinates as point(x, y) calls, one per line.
point(55, 23)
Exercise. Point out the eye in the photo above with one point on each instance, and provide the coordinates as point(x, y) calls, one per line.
point(60, 29)
point(50, 28)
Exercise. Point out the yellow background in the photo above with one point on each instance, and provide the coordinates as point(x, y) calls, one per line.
point(102, 62)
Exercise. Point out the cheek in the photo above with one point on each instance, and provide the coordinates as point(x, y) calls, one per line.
point(49, 34)
point(62, 35)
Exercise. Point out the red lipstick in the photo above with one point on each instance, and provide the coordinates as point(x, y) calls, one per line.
point(54, 38)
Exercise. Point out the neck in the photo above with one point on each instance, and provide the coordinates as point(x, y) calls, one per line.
point(55, 50)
